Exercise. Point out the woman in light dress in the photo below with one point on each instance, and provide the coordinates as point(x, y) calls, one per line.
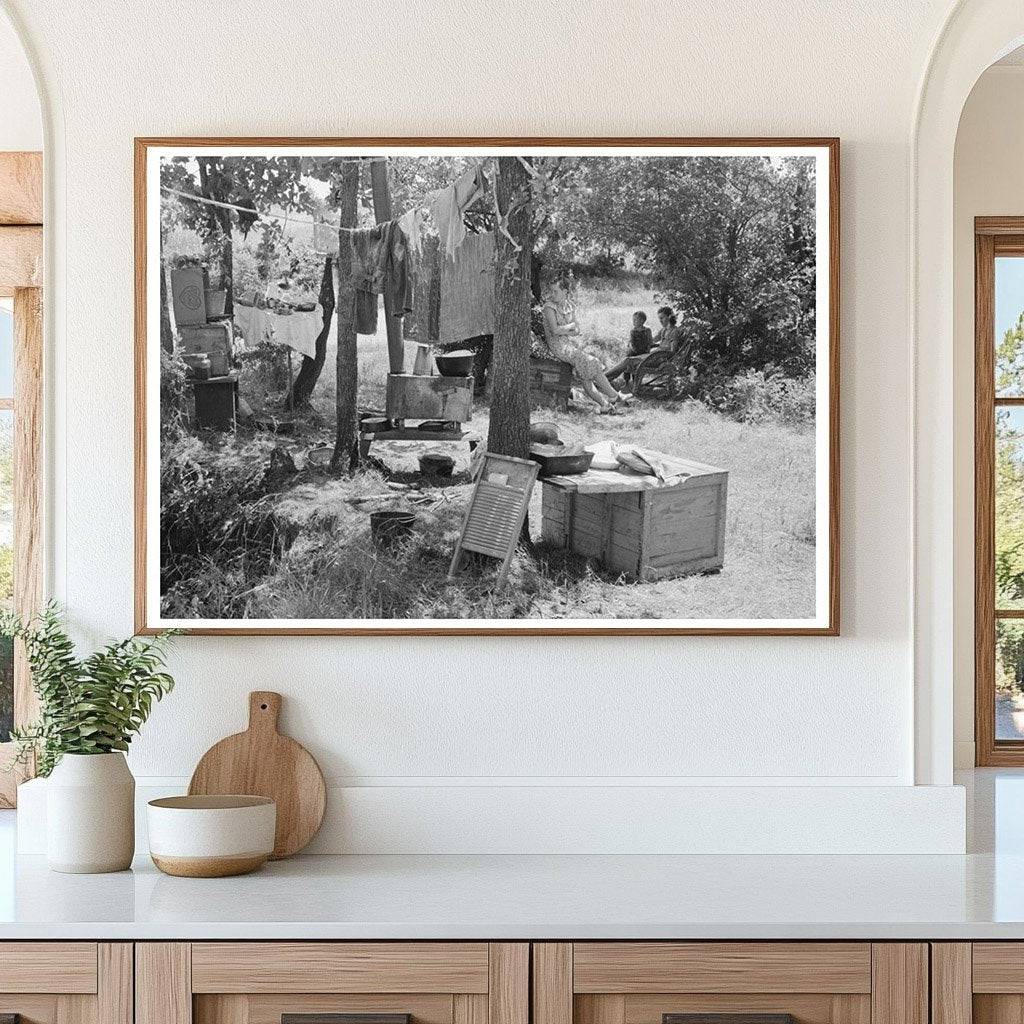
point(560, 328)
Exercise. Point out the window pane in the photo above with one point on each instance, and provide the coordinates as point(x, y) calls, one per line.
point(6, 567)
point(1009, 323)
point(1009, 483)
point(6, 349)
point(1009, 679)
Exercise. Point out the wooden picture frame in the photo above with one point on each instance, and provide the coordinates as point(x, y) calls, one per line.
point(825, 621)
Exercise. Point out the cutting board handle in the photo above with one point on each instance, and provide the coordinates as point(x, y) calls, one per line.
point(264, 710)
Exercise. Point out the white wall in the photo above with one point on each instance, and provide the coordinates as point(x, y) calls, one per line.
point(21, 125)
point(988, 181)
point(444, 713)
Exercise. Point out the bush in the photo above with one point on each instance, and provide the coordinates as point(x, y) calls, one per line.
point(212, 511)
point(763, 396)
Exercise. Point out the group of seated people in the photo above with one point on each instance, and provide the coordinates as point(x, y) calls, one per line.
point(561, 327)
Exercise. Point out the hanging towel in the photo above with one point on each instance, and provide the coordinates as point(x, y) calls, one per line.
point(467, 290)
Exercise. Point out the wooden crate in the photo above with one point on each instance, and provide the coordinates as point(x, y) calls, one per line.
point(215, 339)
point(649, 534)
point(550, 383)
point(429, 398)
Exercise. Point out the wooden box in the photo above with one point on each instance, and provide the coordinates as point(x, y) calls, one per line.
point(650, 533)
point(215, 339)
point(550, 383)
point(429, 398)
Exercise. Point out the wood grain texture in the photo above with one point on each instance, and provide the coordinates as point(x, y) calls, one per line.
point(984, 502)
point(468, 1008)
point(851, 1009)
point(21, 258)
point(552, 983)
point(27, 500)
point(115, 983)
point(163, 983)
point(32, 1009)
point(339, 967)
point(807, 1008)
point(262, 762)
point(76, 1009)
point(599, 1009)
point(756, 967)
point(264, 1008)
point(899, 983)
point(998, 967)
point(21, 188)
point(508, 991)
point(226, 1009)
point(997, 1009)
point(28, 481)
point(143, 624)
point(951, 983)
point(48, 967)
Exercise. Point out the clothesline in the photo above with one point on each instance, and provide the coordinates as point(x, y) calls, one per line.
point(245, 209)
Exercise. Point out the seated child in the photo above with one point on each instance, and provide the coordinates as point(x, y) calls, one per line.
point(640, 343)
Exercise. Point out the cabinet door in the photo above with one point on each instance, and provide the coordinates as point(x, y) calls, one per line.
point(980, 982)
point(737, 982)
point(66, 982)
point(315, 982)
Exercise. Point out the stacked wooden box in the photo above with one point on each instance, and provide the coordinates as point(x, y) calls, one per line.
point(550, 383)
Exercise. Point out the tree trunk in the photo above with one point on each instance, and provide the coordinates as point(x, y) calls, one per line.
point(215, 184)
point(346, 441)
point(309, 372)
point(166, 334)
point(382, 214)
point(508, 433)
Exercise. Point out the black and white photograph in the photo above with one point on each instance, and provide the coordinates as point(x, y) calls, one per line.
point(429, 386)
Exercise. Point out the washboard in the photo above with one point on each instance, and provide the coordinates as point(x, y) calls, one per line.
point(496, 511)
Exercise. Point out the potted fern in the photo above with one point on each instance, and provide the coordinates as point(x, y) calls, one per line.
point(89, 710)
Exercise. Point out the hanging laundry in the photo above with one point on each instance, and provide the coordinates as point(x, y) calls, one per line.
point(411, 223)
point(467, 290)
point(297, 330)
point(380, 265)
point(448, 207)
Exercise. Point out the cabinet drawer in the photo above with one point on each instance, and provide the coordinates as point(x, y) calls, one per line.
point(66, 982)
point(262, 982)
point(736, 982)
point(339, 967)
point(48, 967)
point(629, 967)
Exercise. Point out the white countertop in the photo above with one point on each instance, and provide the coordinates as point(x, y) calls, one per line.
point(978, 896)
point(532, 897)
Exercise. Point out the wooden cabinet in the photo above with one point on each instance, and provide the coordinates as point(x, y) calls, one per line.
point(648, 982)
point(66, 982)
point(980, 982)
point(259, 982)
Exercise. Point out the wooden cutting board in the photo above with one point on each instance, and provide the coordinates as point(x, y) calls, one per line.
point(262, 762)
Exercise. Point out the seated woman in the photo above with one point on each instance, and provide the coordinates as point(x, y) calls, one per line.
point(559, 327)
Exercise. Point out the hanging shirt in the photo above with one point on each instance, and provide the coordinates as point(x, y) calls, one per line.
point(380, 266)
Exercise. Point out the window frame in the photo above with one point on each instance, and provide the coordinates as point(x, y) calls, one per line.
point(993, 237)
point(21, 263)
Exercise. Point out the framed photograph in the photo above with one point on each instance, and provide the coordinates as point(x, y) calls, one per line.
point(487, 386)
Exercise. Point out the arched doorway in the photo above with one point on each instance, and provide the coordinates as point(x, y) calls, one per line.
point(976, 34)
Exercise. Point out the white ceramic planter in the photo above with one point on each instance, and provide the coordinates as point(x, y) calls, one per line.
point(90, 814)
